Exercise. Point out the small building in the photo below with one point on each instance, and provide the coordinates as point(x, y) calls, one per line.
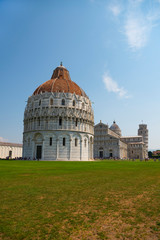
point(156, 153)
point(10, 150)
point(108, 142)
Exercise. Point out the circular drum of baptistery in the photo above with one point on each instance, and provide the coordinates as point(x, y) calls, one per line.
point(58, 121)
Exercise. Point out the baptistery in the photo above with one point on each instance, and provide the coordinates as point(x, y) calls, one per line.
point(58, 121)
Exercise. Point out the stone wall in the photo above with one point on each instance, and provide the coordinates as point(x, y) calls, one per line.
point(78, 146)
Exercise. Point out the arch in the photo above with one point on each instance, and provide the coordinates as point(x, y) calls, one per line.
point(77, 135)
point(38, 137)
point(63, 114)
point(64, 135)
point(53, 135)
point(40, 102)
point(38, 146)
point(86, 136)
point(74, 103)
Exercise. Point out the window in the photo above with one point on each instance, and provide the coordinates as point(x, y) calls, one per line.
point(50, 141)
point(51, 101)
point(39, 102)
point(76, 141)
point(76, 122)
point(82, 105)
point(63, 102)
point(64, 142)
point(39, 122)
point(60, 121)
point(73, 102)
point(85, 142)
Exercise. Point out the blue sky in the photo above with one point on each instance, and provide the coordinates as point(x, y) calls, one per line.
point(111, 49)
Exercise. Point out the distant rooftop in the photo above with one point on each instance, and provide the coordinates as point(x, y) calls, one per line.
point(11, 144)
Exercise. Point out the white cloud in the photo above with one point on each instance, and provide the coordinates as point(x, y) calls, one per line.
point(112, 86)
point(115, 9)
point(137, 21)
point(137, 32)
point(3, 139)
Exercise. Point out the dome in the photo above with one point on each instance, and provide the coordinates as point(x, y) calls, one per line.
point(60, 82)
point(115, 128)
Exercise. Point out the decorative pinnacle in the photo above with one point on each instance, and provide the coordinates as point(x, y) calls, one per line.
point(61, 64)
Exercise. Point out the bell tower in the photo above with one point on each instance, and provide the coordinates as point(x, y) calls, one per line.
point(143, 131)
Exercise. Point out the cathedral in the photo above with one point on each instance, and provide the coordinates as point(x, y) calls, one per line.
point(109, 143)
point(58, 121)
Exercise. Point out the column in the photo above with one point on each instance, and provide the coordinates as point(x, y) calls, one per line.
point(57, 152)
point(70, 149)
point(81, 149)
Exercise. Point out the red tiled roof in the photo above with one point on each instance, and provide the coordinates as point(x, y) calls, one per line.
point(60, 82)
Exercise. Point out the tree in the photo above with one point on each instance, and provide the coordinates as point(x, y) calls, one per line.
point(150, 154)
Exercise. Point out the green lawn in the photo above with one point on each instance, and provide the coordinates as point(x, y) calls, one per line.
point(79, 200)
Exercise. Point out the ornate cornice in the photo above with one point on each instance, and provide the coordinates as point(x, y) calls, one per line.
point(59, 112)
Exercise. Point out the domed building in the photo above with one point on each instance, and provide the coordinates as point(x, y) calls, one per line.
point(109, 143)
point(58, 121)
point(115, 128)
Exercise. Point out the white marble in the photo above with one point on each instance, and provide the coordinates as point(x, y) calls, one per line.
point(47, 123)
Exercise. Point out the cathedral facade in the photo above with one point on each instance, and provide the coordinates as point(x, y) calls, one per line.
point(108, 142)
point(58, 121)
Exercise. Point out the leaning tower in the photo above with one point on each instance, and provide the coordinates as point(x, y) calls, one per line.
point(143, 131)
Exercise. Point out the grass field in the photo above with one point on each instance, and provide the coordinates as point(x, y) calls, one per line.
point(79, 200)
